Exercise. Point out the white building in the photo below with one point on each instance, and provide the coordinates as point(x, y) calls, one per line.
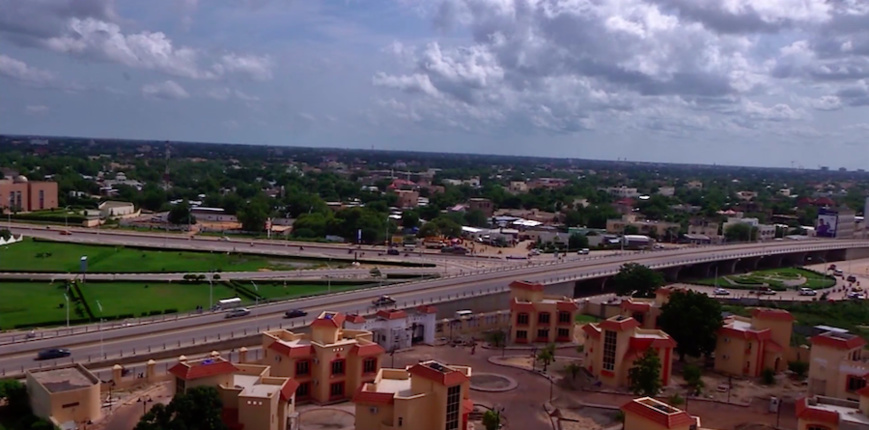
point(114, 209)
point(764, 231)
point(623, 192)
point(398, 329)
point(667, 191)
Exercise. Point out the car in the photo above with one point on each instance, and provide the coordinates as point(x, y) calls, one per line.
point(857, 289)
point(237, 312)
point(65, 233)
point(837, 272)
point(766, 291)
point(852, 278)
point(447, 249)
point(49, 354)
point(392, 251)
point(808, 292)
point(583, 251)
point(721, 292)
point(856, 296)
point(295, 313)
point(534, 252)
point(383, 301)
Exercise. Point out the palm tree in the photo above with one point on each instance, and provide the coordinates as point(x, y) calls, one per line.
point(546, 355)
point(572, 369)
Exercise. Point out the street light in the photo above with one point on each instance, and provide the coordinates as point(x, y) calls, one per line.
point(144, 402)
point(66, 296)
point(211, 290)
point(100, 306)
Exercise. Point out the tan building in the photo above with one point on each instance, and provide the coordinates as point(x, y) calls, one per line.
point(704, 227)
point(407, 198)
point(827, 413)
point(518, 187)
point(647, 413)
point(329, 364)
point(837, 365)
point(252, 398)
point(483, 205)
point(23, 195)
point(426, 396)
point(539, 318)
point(746, 346)
point(646, 311)
point(612, 346)
point(67, 396)
point(646, 227)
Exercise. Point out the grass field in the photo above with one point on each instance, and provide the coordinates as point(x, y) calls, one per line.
point(118, 298)
point(23, 302)
point(851, 315)
point(278, 290)
point(777, 279)
point(585, 319)
point(34, 256)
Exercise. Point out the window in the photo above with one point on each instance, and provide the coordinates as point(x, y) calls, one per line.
point(303, 367)
point(400, 421)
point(179, 385)
point(41, 199)
point(522, 319)
point(369, 365)
point(639, 316)
point(855, 383)
point(543, 318)
point(304, 390)
point(338, 367)
point(543, 333)
point(563, 332)
point(336, 390)
point(609, 350)
point(454, 398)
point(521, 334)
point(564, 317)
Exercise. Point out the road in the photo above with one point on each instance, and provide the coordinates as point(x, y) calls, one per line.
point(312, 274)
point(14, 357)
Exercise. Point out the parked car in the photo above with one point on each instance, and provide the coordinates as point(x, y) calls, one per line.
point(856, 296)
point(50, 354)
point(295, 313)
point(837, 272)
point(237, 312)
point(65, 233)
point(534, 252)
point(808, 292)
point(383, 301)
point(392, 251)
point(852, 278)
point(583, 251)
point(447, 249)
point(721, 292)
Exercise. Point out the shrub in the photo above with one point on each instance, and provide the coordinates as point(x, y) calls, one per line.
point(767, 377)
point(800, 368)
point(693, 377)
point(170, 311)
point(675, 400)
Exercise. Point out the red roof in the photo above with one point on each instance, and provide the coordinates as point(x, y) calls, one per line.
point(635, 307)
point(772, 314)
point(329, 319)
point(355, 319)
point(627, 201)
point(392, 314)
point(772, 346)
point(566, 306)
point(833, 341)
point(764, 334)
point(367, 350)
point(643, 343)
point(525, 285)
point(807, 412)
point(518, 306)
point(677, 419)
point(202, 369)
point(289, 389)
point(302, 350)
point(427, 309)
point(591, 331)
point(372, 397)
point(626, 323)
point(448, 377)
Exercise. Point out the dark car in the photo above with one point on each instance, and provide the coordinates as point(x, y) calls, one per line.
point(294, 313)
point(383, 301)
point(852, 278)
point(53, 353)
point(392, 251)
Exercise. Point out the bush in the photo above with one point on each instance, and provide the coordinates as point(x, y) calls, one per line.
point(170, 311)
point(152, 313)
point(800, 368)
point(693, 377)
point(767, 377)
point(675, 400)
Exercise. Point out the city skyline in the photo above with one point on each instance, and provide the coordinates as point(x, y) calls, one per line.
point(742, 83)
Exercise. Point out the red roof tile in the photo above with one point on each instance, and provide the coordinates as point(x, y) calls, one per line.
point(837, 342)
point(447, 378)
point(367, 350)
point(672, 420)
point(355, 319)
point(807, 412)
point(635, 307)
point(619, 325)
point(567, 306)
point(525, 285)
point(772, 314)
point(289, 389)
point(202, 369)
point(392, 314)
point(335, 319)
point(427, 309)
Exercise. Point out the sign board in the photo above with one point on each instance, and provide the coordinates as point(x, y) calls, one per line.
point(828, 221)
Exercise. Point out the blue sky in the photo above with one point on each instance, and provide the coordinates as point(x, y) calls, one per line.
point(752, 82)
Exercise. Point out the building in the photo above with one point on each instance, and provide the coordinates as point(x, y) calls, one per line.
point(623, 192)
point(206, 214)
point(667, 191)
point(746, 346)
point(539, 318)
point(483, 205)
point(425, 396)
point(329, 364)
point(397, 329)
point(19, 193)
point(518, 187)
point(647, 413)
point(113, 209)
point(407, 198)
point(646, 311)
point(66, 396)
point(827, 413)
point(837, 365)
point(612, 345)
point(252, 398)
point(765, 232)
point(655, 229)
point(704, 227)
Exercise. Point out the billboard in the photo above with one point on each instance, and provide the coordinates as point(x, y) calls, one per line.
point(828, 221)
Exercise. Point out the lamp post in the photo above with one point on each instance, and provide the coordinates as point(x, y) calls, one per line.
point(66, 296)
point(144, 402)
point(211, 290)
point(66, 217)
point(100, 306)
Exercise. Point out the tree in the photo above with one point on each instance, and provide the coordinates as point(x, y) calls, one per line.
point(637, 280)
point(181, 214)
point(645, 375)
point(631, 229)
point(693, 320)
point(693, 377)
point(476, 218)
point(253, 214)
point(491, 420)
point(577, 241)
point(5, 234)
point(546, 355)
point(740, 232)
point(497, 338)
point(572, 218)
point(15, 394)
point(573, 370)
point(198, 408)
point(409, 219)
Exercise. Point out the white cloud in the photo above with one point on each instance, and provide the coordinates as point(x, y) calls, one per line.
point(224, 93)
point(36, 109)
point(256, 67)
point(168, 90)
point(20, 71)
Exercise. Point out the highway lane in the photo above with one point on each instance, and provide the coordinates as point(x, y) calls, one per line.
point(141, 337)
point(310, 274)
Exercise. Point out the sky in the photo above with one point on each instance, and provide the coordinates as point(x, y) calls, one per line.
point(748, 82)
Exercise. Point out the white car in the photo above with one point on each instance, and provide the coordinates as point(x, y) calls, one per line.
point(808, 292)
point(721, 292)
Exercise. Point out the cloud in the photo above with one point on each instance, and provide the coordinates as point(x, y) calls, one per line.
point(224, 93)
point(36, 109)
point(168, 90)
point(826, 103)
point(256, 67)
point(20, 71)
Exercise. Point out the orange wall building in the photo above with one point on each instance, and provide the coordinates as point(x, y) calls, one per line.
point(425, 396)
point(67, 395)
point(647, 413)
point(329, 364)
point(612, 345)
point(837, 365)
point(746, 346)
point(646, 311)
point(827, 413)
point(539, 318)
point(24, 195)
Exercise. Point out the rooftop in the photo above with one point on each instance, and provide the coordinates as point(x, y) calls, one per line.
point(67, 378)
point(252, 386)
point(822, 408)
point(659, 412)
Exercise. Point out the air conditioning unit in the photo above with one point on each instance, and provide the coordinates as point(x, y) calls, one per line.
point(316, 360)
point(373, 410)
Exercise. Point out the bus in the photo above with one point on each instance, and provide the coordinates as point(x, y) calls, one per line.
point(229, 303)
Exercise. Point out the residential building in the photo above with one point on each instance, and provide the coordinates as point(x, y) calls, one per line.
point(623, 192)
point(425, 396)
point(612, 346)
point(398, 329)
point(654, 229)
point(329, 364)
point(518, 187)
point(19, 193)
point(704, 227)
point(837, 365)
point(746, 195)
point(667, 191)
point(252, 398)
point(828, 413)
point(646, 311)
point(694, 185)
point(483, 205)
point(646, 413)
point(67, 396)
point(539, 318)
point(548, 183)
point(765, 232)
point(113, 209)
point(407, 198)
point(746, 346)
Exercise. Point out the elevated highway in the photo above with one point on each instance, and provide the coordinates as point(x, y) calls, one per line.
point(584, 277)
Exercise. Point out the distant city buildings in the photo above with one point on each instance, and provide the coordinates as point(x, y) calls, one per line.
point(17, 193)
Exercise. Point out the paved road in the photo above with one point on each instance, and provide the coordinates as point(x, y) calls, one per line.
point(13, 357)
point(313, 274)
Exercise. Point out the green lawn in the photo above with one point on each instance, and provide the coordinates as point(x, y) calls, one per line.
point(25, 302)
point(279, 290)
point(119, 298)
point(585, 319)
point(33, 256)
point(777, 279)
